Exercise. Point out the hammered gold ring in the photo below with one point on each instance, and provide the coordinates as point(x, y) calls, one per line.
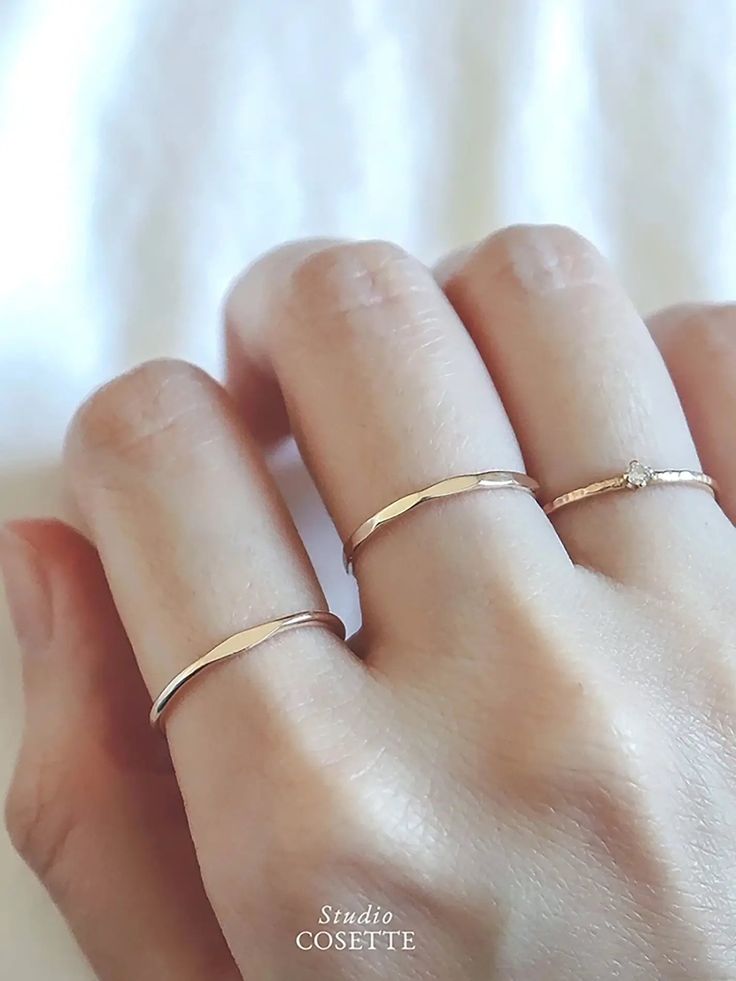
point(636, 477)
point(240, 643)
point(461, 484)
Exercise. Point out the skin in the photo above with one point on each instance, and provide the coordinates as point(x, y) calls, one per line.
point(528, 752)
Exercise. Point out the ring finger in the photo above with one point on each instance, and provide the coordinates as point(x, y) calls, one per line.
point(586, 390)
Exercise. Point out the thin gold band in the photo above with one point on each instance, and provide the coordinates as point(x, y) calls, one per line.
point(461, 484)
point(241, 642)
point(635, 477)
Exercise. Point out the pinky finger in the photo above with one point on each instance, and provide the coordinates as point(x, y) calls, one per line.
point(698, 343)
point(94, 807)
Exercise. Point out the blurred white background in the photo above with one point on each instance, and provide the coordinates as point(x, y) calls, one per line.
point(149, 150)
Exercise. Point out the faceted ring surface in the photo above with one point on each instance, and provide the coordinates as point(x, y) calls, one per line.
point(240, 643)
point(460, 484)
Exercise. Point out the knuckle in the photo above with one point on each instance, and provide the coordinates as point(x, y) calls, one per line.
point(136, 414)
point(702, 330)
point(342, 296)
point(37, 818)
point(560, 239)
point(352, 277)
point(538, 258)
point(247, 300)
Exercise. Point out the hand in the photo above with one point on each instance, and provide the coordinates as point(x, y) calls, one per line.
point(527, 754)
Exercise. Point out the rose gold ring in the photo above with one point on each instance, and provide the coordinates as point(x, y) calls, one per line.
point(636, 477)
point(461, 484)
point(240, 643)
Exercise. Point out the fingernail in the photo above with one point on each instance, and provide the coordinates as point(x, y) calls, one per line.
point(27, 590)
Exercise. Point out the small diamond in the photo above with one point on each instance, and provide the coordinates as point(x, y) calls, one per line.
point(638, 475)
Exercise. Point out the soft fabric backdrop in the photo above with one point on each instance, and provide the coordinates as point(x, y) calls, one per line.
point(149, 150)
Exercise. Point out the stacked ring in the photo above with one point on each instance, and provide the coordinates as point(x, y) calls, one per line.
point(635, 477)
point(240, 643)
point(461, 484)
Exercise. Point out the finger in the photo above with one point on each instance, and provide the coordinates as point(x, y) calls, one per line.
point(94, 807)
point(586, 391)
point(450, 263)
point(386, 394)
point(197, 546)
point(698, 343)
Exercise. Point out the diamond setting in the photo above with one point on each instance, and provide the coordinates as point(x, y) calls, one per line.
point(638, 475)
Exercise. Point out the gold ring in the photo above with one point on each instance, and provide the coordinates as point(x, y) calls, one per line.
point(461, 484)
point(241, 642)
point(635, 477)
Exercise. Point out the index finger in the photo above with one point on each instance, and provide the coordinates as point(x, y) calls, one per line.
point(197, 546)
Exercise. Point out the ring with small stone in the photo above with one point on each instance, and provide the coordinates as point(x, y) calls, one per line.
point(636, 477)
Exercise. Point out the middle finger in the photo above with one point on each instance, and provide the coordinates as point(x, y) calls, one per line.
point(386, 394)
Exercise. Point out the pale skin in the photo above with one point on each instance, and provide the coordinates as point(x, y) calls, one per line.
point(527, 754)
